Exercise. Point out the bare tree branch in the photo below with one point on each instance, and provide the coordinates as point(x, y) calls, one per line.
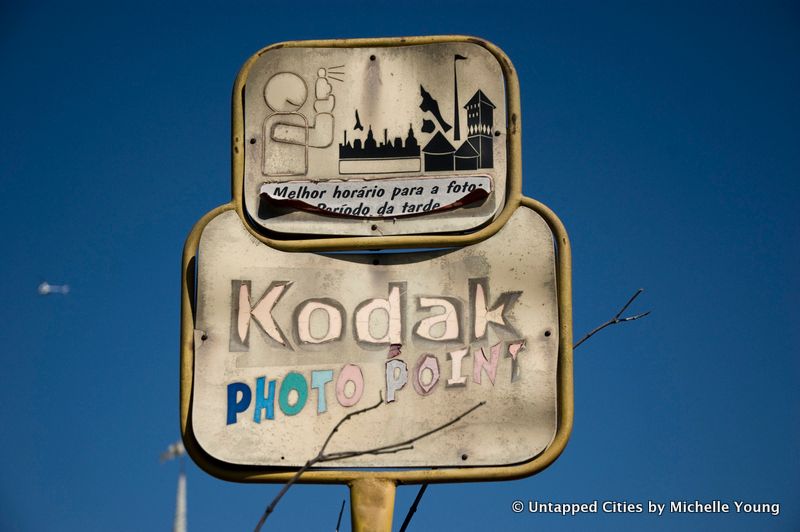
point(343, 455)
point(407, 443)
point(271, 507)
point(613, 321)
point(413, 508)
point(348, 417)
point(283, 491)
point(339, 521)
point(616, 319)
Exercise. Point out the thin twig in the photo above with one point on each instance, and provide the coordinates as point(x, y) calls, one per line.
point(408, 442)
point(284, 489)
point(413, 509)
point(339, 521)
point(348, 417)
point(613, 321)
point(343, 455)
point(616, 319)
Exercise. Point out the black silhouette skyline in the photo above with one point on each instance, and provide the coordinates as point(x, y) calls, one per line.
point(388, 149)
point(475, 152)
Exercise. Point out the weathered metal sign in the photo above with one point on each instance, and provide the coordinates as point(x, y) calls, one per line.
point(286, 344)
point(376, 144)
point(426, 119)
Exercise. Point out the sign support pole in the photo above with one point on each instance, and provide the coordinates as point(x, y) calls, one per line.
point(372, 504)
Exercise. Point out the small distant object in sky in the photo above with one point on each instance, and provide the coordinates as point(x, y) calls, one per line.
point(175, 450)
point(46, 288)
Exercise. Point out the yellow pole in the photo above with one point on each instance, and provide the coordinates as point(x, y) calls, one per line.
point(372, 504)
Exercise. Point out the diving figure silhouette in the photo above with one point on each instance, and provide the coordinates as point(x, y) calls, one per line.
point(430, 104)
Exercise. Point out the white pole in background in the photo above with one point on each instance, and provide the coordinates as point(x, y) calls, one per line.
point(179, 524)
point(176, 450)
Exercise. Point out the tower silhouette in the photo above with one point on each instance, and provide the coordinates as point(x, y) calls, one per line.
point(480, 125)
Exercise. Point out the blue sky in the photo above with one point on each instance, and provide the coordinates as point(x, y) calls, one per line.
point(664, 136)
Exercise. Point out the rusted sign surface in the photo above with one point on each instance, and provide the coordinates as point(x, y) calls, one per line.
point(386, 116)
point(286, 344)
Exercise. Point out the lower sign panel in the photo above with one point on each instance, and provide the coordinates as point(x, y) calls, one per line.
point(286, 344)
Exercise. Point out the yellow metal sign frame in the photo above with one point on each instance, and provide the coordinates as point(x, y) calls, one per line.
point(513, 153)
point(377, 487)
point(476, 473)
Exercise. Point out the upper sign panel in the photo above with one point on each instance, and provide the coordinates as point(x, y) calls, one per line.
point(374, 140)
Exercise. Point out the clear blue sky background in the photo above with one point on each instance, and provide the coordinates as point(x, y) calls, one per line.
point(664, 136)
